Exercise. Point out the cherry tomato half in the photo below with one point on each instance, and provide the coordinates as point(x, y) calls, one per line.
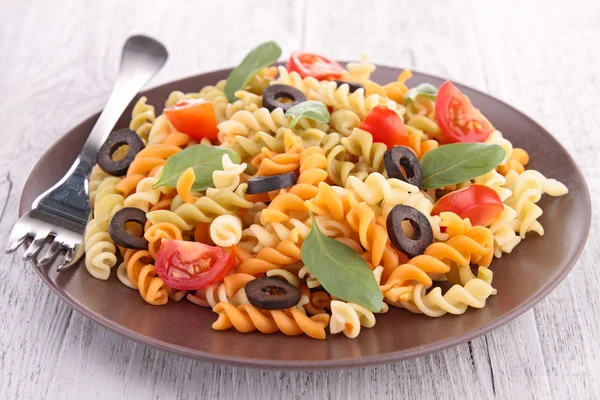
point(319, 67)
point(386, 127)
point(196, 118)
point(186, 265)
point(479, 203)
point(458, 119)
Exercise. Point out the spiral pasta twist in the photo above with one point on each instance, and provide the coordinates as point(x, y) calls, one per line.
point(100, 251)
point(360, 143)
point(474, 245)
point(142, 275)
point(226, 230)
point(505, 238)
point(398, 89)
point(284, 253)
point(340, 98)
point(344, 121)
point(146, 162)
point(205, 209)
point(262, 80)
point(247, 147)
point(256, 236)
point(422, 106)
point(495, 181)
point(348, 318)
point(96, 177)
point(419, 142)
point(305, 85)
point(142, 118)
point(245, 123)
point(270, 163)
point(291, 322)
point(145, 196)
point(515, 159)
point(361, 218)
point(214, 94)
point(312, 171)
point(338, 166)
point(527, 189)
point(155, 234)
point(231, 291)
point(455, 301)
point(376, 188)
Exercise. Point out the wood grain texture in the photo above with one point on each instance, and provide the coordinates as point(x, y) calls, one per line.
point(57, 66)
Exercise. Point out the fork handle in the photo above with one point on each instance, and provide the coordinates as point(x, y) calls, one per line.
point(142, 57)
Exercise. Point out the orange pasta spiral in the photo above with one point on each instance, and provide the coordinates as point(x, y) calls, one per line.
point(156, 233)
point(474, 246)
point(291, 322)
point(142, 276)
point(419, 143)
point(269, 162)
point(360, 216)
point(397, 90)
point(285, 253)
point(145, 162)
point(312, 172)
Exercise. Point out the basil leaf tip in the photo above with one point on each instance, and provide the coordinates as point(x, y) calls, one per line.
point(459, 162)
point(204, 159)
point(311, 109)
point(341, 270)
point(425, 89)
point(262, 56)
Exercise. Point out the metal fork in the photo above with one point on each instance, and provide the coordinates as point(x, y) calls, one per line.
point(60, 214)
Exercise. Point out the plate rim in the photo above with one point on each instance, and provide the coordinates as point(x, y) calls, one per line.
point(371, 360)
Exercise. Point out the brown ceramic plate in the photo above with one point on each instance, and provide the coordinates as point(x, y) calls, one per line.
point(522, 278)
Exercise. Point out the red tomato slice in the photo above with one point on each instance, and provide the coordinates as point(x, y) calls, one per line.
point(196, 118)
point(386, 127)
point(457, 118)
point(319, 67)
point(479, 203)
point(192, 265)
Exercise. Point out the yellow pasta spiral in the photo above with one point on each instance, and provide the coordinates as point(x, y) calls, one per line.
point(156, 233)
point(231, 290)
point(455, 301)
point(360, 143)
point(291, 322)
point(142, 118)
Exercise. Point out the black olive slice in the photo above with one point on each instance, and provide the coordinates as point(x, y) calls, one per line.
point(114, 141)
point(117, 231)
point(272, 293)
point(264, 184)
point(422, 237)
point(399, 157)
point(274, 92)
point(354, 86)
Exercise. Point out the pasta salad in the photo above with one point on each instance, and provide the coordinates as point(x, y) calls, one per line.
point(309, 198)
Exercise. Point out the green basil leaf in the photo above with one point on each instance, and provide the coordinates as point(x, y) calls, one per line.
point(426, 89)
point(310, 109)
point(262, 56)
point(204, 159)
point(459, 162)
point(341, 270)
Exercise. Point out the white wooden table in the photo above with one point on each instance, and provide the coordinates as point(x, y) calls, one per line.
point(57, 64)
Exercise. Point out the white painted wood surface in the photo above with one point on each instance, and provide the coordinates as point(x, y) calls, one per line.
point(57, 63)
